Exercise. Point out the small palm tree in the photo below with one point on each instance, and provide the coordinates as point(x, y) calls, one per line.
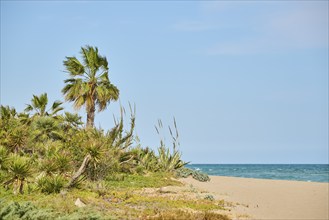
point(6, 112)
point(39, 106)
point(89, 84)
point(46, 128)
point(71, 121)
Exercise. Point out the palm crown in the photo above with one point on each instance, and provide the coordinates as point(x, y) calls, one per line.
point(89, 84)
point(39, 106)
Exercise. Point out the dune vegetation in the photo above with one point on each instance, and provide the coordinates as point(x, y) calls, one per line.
point(55, 166)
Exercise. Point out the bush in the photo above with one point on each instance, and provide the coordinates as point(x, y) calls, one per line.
point(25, 210)
point(186, 172)
point(51, 184)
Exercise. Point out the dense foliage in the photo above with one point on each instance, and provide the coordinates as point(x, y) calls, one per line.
point(49, 150)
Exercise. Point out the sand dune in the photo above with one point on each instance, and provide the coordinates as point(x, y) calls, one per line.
point(269, 199)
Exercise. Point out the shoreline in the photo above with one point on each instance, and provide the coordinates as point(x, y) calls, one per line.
point(290, 172)
point(308, 181)
point(267, 198)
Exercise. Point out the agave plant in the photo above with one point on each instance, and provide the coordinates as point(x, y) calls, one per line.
point(19, 169)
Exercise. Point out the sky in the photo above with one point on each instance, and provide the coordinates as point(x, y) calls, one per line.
point(247, 81)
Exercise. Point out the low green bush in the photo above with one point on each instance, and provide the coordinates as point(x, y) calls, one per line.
point(186, 172)
point(51, 184)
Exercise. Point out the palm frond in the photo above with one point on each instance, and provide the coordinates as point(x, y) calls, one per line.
point(73, 66)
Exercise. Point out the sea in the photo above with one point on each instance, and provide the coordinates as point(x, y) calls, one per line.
point(296, 172)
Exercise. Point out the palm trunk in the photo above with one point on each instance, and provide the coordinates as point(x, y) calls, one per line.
point(90, 117)
point(81, 170)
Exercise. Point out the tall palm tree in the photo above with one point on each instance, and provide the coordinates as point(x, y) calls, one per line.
point(39, 106)
point(88, 84)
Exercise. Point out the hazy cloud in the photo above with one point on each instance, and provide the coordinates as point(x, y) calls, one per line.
point(301, 28)
point(193, 26)
point(286, 29)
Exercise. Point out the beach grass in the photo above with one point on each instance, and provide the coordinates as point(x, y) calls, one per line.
point(153, 196)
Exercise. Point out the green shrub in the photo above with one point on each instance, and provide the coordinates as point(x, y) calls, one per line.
point(209, 197)
point(186, 172)
point(3, 156)
point(24, 210)
point(27, 211)
point(181, 214)
point(51, 184)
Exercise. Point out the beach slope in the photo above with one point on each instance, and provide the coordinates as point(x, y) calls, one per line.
point(269, 199)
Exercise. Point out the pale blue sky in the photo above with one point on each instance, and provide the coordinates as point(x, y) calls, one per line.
point(247, 81)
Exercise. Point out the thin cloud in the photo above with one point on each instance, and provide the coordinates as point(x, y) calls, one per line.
point(194, 26)
point(284, 30)
point(302, 28)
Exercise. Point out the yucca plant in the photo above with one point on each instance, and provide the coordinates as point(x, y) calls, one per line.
point(48, 167)
point(19, 169)
point(3, 157)
point(63, 161)
point(16, 136)
point(169, 161)
point(94, 151)
point(147, 159)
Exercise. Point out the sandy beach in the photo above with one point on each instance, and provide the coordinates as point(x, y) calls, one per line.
point(268, 199)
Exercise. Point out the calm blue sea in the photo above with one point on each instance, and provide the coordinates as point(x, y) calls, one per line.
point(299, 172)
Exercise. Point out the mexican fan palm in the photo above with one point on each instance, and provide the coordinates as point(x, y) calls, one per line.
point(39, 106)
point(88, 83)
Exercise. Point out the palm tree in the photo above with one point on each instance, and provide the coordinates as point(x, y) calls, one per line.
point(88, 83)
point(39, 106)
point(71, 121)
point(6, 112)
